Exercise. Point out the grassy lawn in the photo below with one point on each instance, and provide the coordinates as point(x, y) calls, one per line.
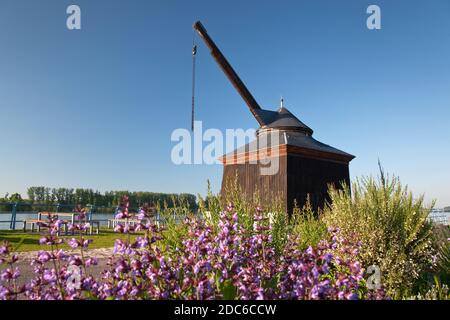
point(27, 241)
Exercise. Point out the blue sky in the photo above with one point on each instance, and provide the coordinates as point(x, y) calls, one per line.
point(96, 107)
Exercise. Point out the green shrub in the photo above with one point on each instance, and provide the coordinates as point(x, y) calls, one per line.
point(308, 226)
point(172, 215)
point(392, 226)
point(436, 291)
point(441, 236)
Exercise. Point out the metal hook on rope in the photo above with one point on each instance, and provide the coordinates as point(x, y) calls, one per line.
point(194, 53)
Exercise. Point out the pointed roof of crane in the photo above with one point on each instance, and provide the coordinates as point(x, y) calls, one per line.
point(282, 119)
point(296, 140)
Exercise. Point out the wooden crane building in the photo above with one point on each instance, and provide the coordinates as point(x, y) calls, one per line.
point(304, 167)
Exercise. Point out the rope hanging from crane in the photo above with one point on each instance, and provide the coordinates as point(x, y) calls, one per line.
point(194, 53)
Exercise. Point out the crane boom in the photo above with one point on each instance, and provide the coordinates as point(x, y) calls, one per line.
point(229, 72)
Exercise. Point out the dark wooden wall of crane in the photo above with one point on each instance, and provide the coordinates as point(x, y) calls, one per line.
point(298, 177)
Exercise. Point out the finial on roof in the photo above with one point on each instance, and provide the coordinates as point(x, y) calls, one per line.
point(281, 102)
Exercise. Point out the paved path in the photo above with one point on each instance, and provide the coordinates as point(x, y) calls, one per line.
point(98, 253)
point(27, 272)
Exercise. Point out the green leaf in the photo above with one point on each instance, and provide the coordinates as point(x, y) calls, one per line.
point(228, 290)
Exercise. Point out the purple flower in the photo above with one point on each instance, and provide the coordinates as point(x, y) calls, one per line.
point(121, 215)
point(142, 214)
point(119, 228)
point(86, 242)
point(61, 255)
point(4, 293)
point(74, 260)
point(197, 267)
point(43, 256)
point(315, 293)
point(73, 243)
point(92, 261)
point(315, 272)
point(44, 240)
point(207, 262)
point(142, 242)
point(16, 273)
point(134, 291)
point(121, 266)
point(203, 289)
point(355, 267)
point(4, 249)
point(351, 296)
point(49, 275)
point(121, 247)
point(327, 257)
point(6, 275)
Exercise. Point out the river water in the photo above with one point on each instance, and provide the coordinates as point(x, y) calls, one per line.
point(440, 217)
point(5, 218)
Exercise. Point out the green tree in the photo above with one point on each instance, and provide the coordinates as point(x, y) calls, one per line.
point(15, 197)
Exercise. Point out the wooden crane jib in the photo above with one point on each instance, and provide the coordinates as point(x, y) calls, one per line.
point(229, 72)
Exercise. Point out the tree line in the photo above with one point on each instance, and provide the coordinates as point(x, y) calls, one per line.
point(84, 197)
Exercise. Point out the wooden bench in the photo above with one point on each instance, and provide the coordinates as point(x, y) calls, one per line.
point(91, 226)
point(32, 223)
point(58, 215)
point(113, 222)
point(37, 222)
